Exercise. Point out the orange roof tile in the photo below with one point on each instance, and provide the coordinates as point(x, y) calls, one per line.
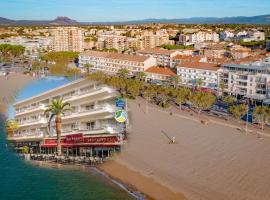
point(199, 65)
point(156, 51)
point(118, 56)
point(161, 70)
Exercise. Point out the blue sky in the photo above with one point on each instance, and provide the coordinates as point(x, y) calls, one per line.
point(122, 10)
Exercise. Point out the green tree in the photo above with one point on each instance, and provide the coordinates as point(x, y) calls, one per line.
point(202, 100)
point(182, 95)
point(141, 76)
point(56, 109)
point(262, 115)
point(222, 88)
point(150, 92)
point(238, 111)
point(229, 99)
point(123, 73)
point(11, 126)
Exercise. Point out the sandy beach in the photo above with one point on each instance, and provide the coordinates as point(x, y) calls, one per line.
point(9, 87)
point(208, 162)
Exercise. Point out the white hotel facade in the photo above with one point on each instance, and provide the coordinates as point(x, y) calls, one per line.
point(91, 118)
point(112, 62)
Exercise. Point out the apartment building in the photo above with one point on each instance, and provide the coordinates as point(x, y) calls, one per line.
point(159, 73)
point(247, 80)
point(68, 39)
point(187, 58)
point(191, 72)
point(198, 37)
point(112, 62)
point(89, 126)
point(163, 56)
point(151, 40)
point(111, 42)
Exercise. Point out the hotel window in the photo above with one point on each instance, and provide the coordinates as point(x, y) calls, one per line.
point(90, 125)
point(74, 126)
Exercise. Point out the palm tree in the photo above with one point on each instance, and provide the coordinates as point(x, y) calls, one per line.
point(175, 80)
point(88, 68)
point(261, 114)
point(222, 88)
point(199, 83)
point(56, 109)
point(141, 76)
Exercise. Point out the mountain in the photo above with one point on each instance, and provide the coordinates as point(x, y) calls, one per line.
point(261, 19)
point(64, 21)
point(57, 21)
point(5, 21)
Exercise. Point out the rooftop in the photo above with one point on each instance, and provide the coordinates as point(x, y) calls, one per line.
point(199, 65)
point(156, 51)
point(252, 66)
point(116, 56)
point(161, 70)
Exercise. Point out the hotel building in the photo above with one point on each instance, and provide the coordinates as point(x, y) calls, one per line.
point(159, 73)
point(112, 62)
point(89, 127)
point(247, 80)
point(164, 57)
point(190, 72)
point(68, 39)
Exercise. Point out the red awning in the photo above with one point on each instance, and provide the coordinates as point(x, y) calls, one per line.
point(81, 145)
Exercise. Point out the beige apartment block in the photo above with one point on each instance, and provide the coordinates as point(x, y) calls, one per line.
point(68, 39)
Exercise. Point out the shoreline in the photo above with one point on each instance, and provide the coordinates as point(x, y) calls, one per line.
point(141, 187)
point(131, 190)
point(146, 185)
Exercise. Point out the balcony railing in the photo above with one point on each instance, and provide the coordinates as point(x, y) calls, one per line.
point(32, 122)
point(100, 109)
point(91, 130)
point(31, 109)
point(23, 135)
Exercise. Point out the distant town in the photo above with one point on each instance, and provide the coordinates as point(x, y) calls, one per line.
point(234, 56)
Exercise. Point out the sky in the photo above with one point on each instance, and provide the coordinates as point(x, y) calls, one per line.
point(124, 10)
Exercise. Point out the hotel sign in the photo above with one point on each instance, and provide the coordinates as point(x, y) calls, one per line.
point(79, 139)
point(74, 138)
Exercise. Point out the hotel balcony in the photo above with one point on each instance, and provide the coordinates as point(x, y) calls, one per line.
point(85, 113)
point(105, 129)
point(41, 121)
point(41, 107)
point(27, 136)
point(88, 93)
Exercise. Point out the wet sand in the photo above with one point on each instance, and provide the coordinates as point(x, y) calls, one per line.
point(138, 182)
point(208, 162)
